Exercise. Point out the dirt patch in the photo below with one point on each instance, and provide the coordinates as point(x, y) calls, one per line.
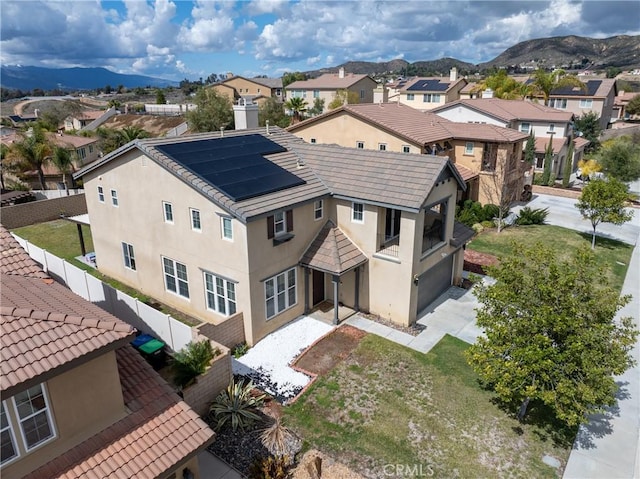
point(476, 262)
point(154, 125)
point(329, 467)
point(324, 355)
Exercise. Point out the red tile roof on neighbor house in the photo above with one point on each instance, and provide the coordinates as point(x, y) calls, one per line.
point(332, 252)
point(328, 81)
point(542, 144)
point(46, 328)
point(509, 110)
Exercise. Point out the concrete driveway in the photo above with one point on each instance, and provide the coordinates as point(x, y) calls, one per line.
point(562, 212)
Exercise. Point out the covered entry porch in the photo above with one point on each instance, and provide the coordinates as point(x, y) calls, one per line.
point(330, 262)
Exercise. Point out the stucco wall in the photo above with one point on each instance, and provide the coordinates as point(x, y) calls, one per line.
point(40, 211)
point(229, 332)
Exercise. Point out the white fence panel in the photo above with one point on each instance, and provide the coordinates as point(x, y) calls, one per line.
point(98, 292)
point(158, 322)
point(56, 265)
point(38, 255)
point(125, 307)
point(181, 334)
point(76, 281)
point(23, 242)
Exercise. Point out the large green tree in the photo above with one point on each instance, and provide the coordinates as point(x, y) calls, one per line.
point(620, 158)
point(62, 158)
point(31, 152)
point(550, 334)
point(545, 82)
point(297, 106)
point(548, 163)
point(291, 77)
point(530, 149)
point(272, 110)
point(633, 107)
point(602, 201)
point(588, 127)
point(342, 97)
point(214, 111)
point(568, 165)
point(503, 86)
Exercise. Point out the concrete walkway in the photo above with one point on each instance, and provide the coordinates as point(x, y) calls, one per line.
point(213, 468)
point(609, 446)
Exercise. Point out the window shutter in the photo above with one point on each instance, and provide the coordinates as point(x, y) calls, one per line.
point(289, 221)
point(270, 227)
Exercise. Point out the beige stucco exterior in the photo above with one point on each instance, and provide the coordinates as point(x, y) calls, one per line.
point(417, 100)
point(245, 87)
point(363, 88)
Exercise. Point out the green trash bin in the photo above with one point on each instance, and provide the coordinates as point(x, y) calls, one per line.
point(153, 351)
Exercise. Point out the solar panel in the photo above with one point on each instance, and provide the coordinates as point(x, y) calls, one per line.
point(428, 85)
point(234, 165)
point(592, 88)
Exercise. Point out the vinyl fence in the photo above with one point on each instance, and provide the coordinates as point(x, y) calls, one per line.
point(141, 316)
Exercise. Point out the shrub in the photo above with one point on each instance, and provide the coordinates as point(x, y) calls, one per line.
point(529, 216)
point(240, 350)
point(537, 179)
point(279, 440)
point(478, 228)
point(488, 224)
point(490, 212)
point(236, 405)
point(473, 212)
point(269, 468)
point(191, 361)
point(552, 180)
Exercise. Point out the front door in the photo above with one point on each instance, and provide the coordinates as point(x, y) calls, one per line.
point(318, 287)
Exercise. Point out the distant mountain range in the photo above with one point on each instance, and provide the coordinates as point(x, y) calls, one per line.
point(621, 51)
point(28, 78)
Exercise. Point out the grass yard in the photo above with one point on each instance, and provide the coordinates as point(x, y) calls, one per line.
point(387, 404)
point(612, 255)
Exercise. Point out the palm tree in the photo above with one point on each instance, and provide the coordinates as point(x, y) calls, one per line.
point(297, 106)
point(545, 82)
point(503, 86)
point(63, 160)
point(130, 133)
point(31, 153)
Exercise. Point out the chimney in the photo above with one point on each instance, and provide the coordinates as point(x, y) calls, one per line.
point(229, 75)
point(380, 94)
point(341, 72)
point(453, 74)
point(245, 115)
point(488, 93)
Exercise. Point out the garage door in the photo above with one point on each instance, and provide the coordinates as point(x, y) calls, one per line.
point(434, 282)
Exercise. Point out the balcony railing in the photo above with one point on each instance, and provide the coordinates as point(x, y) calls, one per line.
point(388, 245)
point(432, 236)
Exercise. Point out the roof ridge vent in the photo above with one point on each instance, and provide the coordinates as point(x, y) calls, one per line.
point(222, 132)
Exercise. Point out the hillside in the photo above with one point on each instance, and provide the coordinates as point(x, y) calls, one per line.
point(28, 78)
point(620, 51)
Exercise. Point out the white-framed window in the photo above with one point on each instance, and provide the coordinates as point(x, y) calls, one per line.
point(128, 256)
point(560, 103)
point(360, 145)
point(406, 149)
point(298, 93)
point(279, 223)
point(114, 197)
point(382, 146)
point(175, 277)
point(227, 227)
point(468, 148)
point(316, 93)
point(317, 209)
point(586, 103)
point(362, 94)
point(280, 292)
point(7, 436)
point(196, 224)
point(34, 415)
point(100, 194)
point(525, 127)
point(431, 98)
point(167, 209)
point(221, 294)
point(357, 212)
point(312, 140)
point(411, 96)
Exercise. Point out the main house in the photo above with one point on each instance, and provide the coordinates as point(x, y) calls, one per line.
point(427, 93)
point(260, 223)
point(487, 157)
point(77, 400)
point(326, 87)
point(548, 125)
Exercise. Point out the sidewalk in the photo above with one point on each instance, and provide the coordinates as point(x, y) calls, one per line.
point(609, 446)
point(213, 468)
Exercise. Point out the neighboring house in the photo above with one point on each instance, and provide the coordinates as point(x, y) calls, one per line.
point(478, 151)
point(470, 91)
point(261, 223)
point(544, 122)
point(77, 400)
point(326, 86)
point(598, 97)
point(255, 89)
point(88, 120)
point(429, 93)
point(620, 103)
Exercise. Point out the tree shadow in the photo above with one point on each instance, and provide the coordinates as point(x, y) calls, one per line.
point(603, 240)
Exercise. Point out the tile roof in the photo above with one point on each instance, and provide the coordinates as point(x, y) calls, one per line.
point(543, 142)
point(70, 141)
point(509, 110)
point(462, 234)
point(430, 84)
point(465, 173)
point(15, 260)
point(332, 252)
point(580, 143)
point(88, 115)
point(328, 81)
point(158, 432)
point(399, 179)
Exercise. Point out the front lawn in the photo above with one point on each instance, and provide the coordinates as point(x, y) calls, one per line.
point(387, 409)
point(612, 255)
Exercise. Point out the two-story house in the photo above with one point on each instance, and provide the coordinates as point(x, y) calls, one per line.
point(251, 89)
point(326, 86)
point(88, 119)
point(77, 399)
point(547, 124)
point(260, 222)
point(427, 93)
point(598, 97)
point(479, 151)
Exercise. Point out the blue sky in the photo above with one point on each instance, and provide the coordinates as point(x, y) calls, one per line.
point(178, 39)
